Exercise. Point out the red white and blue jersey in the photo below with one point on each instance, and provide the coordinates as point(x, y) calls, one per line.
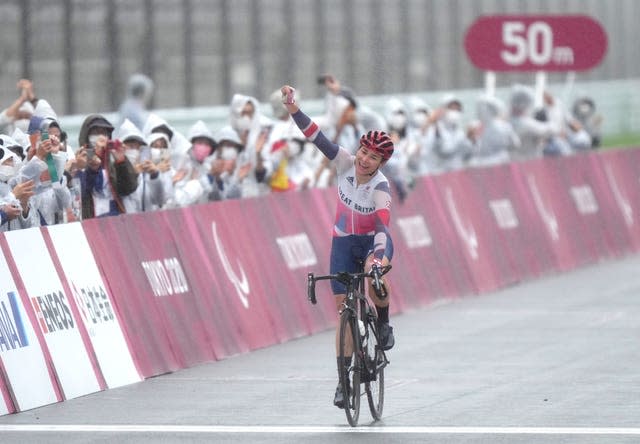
point(363, 209)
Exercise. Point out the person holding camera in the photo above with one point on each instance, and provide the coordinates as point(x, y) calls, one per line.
point(52, 195)
point(108, 175)
point(15, 197)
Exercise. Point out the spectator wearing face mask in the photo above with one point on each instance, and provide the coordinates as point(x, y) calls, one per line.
point(193, 181)
point(252, 164)
point(285, 145)
point(22, 141)
point(533, 133)
point(341, 123)
point(584, 111)
point(179, 145)
point(109, 175)
point(397, 168)
point(15, 196)
point(52, 195)
point(450, 139)
point(150, 194)
point(495, 138)
point(421, 132)
point(571, 136)
point(224, 167)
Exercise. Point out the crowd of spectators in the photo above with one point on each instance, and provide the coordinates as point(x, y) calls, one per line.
point(140, 163)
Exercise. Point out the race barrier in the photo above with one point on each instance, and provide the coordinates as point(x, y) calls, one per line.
point(107, 302)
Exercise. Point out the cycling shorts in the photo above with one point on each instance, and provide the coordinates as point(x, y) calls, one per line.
point(346, 251)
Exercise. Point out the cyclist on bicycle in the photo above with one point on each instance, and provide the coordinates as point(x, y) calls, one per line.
point(361, 230)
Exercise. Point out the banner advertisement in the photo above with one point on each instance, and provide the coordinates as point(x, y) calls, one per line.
point(94, 303)
point(598, 219)
point(621, 169)
point(53, 312)
point(22, 357)
point(468, 215)
point(109, 301)
point(285, 236)
point(238, 269)
point(556, 213)
point(117, 253)
point(517, 229)
point(427, 249)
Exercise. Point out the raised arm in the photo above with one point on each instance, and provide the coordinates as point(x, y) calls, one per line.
point(308, 127)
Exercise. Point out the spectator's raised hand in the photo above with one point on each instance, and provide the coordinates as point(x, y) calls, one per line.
point(12, 211)
point(26, 89)
point(288, 98)
point(55, 143)
point(148, 167)
point(44, 148)
point(217, 167)
point(23, 192)
point(244, 171)
point(71, 166)
point(80, 161)
point(180, 174)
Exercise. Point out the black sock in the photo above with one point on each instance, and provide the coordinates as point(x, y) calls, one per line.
point(383, 314)
point(347, 361)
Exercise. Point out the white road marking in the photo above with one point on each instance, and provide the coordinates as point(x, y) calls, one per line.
point(319, 429)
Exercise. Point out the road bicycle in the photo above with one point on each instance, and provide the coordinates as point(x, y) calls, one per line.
point(361, 359)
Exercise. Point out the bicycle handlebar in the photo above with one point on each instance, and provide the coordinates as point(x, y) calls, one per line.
point(376, 273)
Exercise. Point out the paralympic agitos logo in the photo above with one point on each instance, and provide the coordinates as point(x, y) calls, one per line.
point(53, 312)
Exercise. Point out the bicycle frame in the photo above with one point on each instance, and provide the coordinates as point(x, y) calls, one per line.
point(369, 358)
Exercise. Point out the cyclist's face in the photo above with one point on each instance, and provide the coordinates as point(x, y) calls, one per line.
point(367, 161)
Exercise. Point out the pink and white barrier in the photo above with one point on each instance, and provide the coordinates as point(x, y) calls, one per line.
point(107, 302)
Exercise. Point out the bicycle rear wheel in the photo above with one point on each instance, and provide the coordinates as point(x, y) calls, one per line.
point(349, 367)
point(375, 362)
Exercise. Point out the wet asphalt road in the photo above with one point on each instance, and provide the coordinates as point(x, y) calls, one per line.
point(549, 361)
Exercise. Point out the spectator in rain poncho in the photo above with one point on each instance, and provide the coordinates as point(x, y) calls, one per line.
point(495, 138)
point(18, 114)
point(421, 132)
point(194, 182)
point(341, 123)
point(286, 148)
point(534, 134)
point(571, 136)
point(397, 168)
point(134, 107)
point(584, 111)
point(450, 143)
point(23, 144)
point(227, 174)
point(109, 175)
point(15, 206)
point(151, 193)
point(179, 144)
point(52, 195)
point(252, 164)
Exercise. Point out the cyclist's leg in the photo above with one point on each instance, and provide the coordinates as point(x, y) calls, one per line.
point(341, 260)
point(339, 304)
point(387, 339)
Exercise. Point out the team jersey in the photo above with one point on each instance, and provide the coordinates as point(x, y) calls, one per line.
point(362, 209)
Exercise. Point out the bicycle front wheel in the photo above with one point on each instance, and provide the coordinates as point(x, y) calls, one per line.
point(375, 362)
point(349, 367)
